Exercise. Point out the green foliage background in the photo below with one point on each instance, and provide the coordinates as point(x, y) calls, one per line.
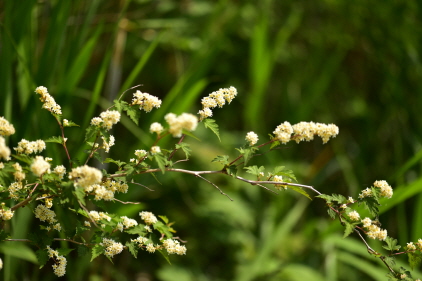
point(352, 63)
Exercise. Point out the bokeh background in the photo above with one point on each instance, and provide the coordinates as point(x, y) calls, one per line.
point(352, 63)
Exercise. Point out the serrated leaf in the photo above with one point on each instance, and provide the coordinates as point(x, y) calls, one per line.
point(120, 105)
point(24, 158)
point(340, 199)
point(185, 132)
point(165, 219)
point(231, 170)
point(331, 213)
point(391, 261)
point(96, 251)
point(82, 250)
point(165, 254)
point(80, 195)
point(161, 161)
point(91, 131)
point(326, 197)
point(223, 159)
point(163, 229)
point(281, 171)
point(210, 124)
point(391, 244)
point(117, 162)
point(348, 229)
point(299, 190)
point(58, 140)
point(64, 251)
point(372, 205)
point(248, 153)
point(185, 148)
point(42, 257)
point(254, 170)
point(133, 248)
point(134, 113)
point(138, 230)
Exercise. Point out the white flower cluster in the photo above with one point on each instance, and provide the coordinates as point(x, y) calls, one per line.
point(217, 98)
point(412, 247)
point(85, 176)
point(174, 247)
point(6, 129)
point(4, 149)
point(43, 213)
point(127, 222)
point(385, 188)
point(48, 101)
point(6, 214)
point(354, 216)
point(185, 121)
point(112, 247)
point(146, 101)
point(97, 216)
point(59, 266)
point(106, 145)
point(14, 188)
point(148, 217)
point(107, 119)
point(252, 138)
point(305, 131)
point(18, 174)
point(279, 179)
point(374, 231)
point(60, 170)
point(105, 191)
point(140, 153)
point(28, 147)
point(155, 149)
point(156, 128)
point(40, 166)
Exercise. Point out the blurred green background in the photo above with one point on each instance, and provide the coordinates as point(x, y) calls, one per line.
point(352, 63)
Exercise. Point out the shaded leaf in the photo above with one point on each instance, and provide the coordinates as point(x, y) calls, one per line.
point(96, 251)
point(55, 139)
point(210, 124)
point(133, 248)
point(299, 190)
point(42, 257)
point(223, 159)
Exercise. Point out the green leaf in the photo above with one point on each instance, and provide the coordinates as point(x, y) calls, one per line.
point(340, 199)
point(186, 132)
point(391, 261)
point(138, 229)
point(91, 131)
point(42, 257)
point(299, 190)
point(133, 248)
point(248, 153)
point(210, 124)
point(117, 162)
point(24, 158)
point(55, 139)
point(64, 251)
point(223, 159)
point(82, 250)
point(120, 105)
point(415, 259)
point(164, 253)
point(371, 203)
point(165, 219)
point(281, 171)
point(134, 113)
point(80, 194)
point(254, 170)
point(331, 213)
point(185, 147)
point(161, 161)
point(349, 228)
point(96, 251)
point(326, 197)
point(162, 228)
point(231, 170)
point(391, 244)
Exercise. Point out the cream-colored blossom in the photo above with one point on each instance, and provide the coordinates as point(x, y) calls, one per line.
point(96, 121)
point(148, 217)
point(85, 176)
point(150, 248)
point(217, 98)
point(386, 189)
point(156, 128)
point(112, 247)
point(28, 147)
point(145, 101)
point(4, 149)
point(18, 174)
point(45, 214)
point(40, 166)
point(354, 216)
point(174, 247)
point(350, 200)
point(204, 113)
point(366, 222)
point(366, 193)
point(109, 117)
point(6, 129)
point(60, 170)
point(140, 153)
point(283, 132)
point(6, 214)
point(252, 138)
point(127, 222)
point(410, 246)
point(14, 188)
point(48, 101)
point(102, 193)
point(155, 150)
point(185, 121)
point(60, 262)
point(279, 179)
point(65, 122)
point(106, 145)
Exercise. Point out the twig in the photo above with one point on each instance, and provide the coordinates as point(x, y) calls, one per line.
point(143, 186)
point(125, 202)
point(213, 184)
